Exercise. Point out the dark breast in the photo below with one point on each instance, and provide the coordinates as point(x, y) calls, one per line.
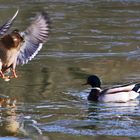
point(93, 95)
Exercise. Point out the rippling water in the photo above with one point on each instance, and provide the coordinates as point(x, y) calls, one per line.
point(87, 37)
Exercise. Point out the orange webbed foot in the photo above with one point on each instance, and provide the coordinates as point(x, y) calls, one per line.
point(2, 75)
point(6, 78)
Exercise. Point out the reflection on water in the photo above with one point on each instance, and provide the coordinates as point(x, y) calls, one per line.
point(14, 123)
point(87, 37)
point(9, 124)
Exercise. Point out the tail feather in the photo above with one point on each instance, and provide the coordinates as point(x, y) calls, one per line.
point(137, 88)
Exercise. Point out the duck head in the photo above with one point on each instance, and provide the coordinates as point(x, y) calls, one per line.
point(94, 81)
point(17, 38)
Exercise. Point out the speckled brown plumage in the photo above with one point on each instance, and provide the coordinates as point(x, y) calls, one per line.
point(17, 48)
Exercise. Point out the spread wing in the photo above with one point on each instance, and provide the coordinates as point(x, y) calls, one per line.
point(4, 28)
point(34, 36)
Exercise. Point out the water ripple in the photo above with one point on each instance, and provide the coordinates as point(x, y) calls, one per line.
point(89, 55)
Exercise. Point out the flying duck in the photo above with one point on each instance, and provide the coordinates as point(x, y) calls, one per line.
point(122, 93)
point(17, 48)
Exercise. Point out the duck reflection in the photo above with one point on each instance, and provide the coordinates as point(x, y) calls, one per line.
point(111, 115)
point(9, 124)
point(14, 124)
point(128, 106)
point(100, 109)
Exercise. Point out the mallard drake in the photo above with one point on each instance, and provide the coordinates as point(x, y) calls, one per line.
point(122, 93)
point(17, 48)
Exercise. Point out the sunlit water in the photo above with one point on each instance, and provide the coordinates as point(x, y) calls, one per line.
point(87, 37)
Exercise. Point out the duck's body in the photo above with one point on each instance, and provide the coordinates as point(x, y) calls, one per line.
point(9, 49)
point(116, 94)
point(17, 48)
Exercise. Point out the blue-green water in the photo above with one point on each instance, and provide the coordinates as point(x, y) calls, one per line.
point(87, 37)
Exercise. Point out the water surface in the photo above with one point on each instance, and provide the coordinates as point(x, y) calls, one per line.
point(87, 37)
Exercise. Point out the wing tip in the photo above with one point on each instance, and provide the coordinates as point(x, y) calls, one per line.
point(46, 17)
point(5, 27)
point(15, 15)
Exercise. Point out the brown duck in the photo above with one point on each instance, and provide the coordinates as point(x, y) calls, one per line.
point(17, 48)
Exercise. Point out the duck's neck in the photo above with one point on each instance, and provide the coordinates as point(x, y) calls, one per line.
point(94, 94)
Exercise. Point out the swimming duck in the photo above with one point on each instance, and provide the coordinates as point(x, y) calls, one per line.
point(122, 93)
point(17, 48)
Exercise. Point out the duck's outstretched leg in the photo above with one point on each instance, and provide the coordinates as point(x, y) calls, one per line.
point(1, 72)
point(13, 66)
point(14, 74)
